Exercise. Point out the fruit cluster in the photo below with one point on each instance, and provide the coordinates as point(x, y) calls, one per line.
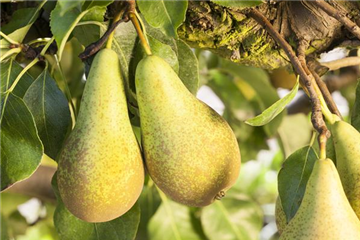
point(189, 150)
point(330, 208)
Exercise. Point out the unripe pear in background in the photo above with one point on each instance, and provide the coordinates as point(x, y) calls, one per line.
point(347, 148)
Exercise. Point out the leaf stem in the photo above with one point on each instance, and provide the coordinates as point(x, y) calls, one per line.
point(9, 53)
point(43, 51)
point(25, 69)
point(111, 36)
point(7, 38)
point(140, 33)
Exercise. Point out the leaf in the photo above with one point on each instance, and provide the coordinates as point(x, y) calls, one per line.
point(163, 14)
point(274, 110)
point(287, 131)
point(51, 112)
point(149, 202)
point(355, 118)
point(69, 4)
point(171, 221)
point(232, 218)
point(188, 67)
point(69, 227)
point(237, 3)
point(293, 177)
point(3, 228)
point(21, 148)
point(9, 72)
point(21, 21)
point(62, 24)
point(264, 94)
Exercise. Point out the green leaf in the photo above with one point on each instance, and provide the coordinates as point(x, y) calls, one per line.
point(237, 3)
point(9, 71)
point(293, 177)
point(188, 66)
point(21, 148)
point(274, 110)
point(232, 218)
point(62, 24)
point(20, 23)
point(265, 93)
point(163, 14)
point(287, 131)
point(355, 118)
point(51, 112)
point(69, 4)
point(4, 228)
point(171, 221)
point(69, 227)
point(149, 201)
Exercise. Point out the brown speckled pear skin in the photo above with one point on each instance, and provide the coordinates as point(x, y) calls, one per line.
point(280, 216)
point(347, 149)
point(101, 173)
point(190, 151)
point(324, 213)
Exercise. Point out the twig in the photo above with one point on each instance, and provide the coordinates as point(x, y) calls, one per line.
point(317, 120)
point(95, 47)
point(341, 17)
point(326, 94)
point(341, 63)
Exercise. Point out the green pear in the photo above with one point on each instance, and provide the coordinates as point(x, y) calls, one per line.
point(190, 151)
point(347, 149)
point(280, 216)
point(101, 173)
point(325, 212)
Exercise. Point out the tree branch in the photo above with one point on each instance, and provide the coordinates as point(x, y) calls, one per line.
point(341, 17)
point(341, 63)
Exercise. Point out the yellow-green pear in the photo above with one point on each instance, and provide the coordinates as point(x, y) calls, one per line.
point(347, 148)
point(190, 151)
point(324, 213)
point(101, 173)
point(280, 216)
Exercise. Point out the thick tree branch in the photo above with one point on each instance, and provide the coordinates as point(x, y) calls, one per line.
point(341, 17)
point(341, 63)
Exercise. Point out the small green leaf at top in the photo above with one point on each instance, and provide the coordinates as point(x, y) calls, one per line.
point(163, 14)
point(70, 227)
point(355, 118)
point(232, 218)
point(21, 148)
point(238, 3)
point(293, 177)
point(274, 110)
point(51, 112)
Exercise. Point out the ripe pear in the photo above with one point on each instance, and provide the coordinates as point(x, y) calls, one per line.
point(347, 148)
point(101, 173)
point(190, 151)
point(324, 213)
point(280, 216)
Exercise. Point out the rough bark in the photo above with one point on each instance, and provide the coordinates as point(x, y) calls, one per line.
point(229, 33)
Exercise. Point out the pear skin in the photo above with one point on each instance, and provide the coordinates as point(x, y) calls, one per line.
point(280, 216)
point(190, 151)
point(347, 149)
point(324, 213)
point(101, 173)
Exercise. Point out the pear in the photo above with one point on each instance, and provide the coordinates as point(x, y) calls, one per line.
point(347, 148)
point(324, 213)
point(101, 173)
point(190, 151)
point(280, 216)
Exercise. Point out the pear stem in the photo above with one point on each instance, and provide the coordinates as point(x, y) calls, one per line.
point(322, 143)
point(111, 36)
point(140, 33)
